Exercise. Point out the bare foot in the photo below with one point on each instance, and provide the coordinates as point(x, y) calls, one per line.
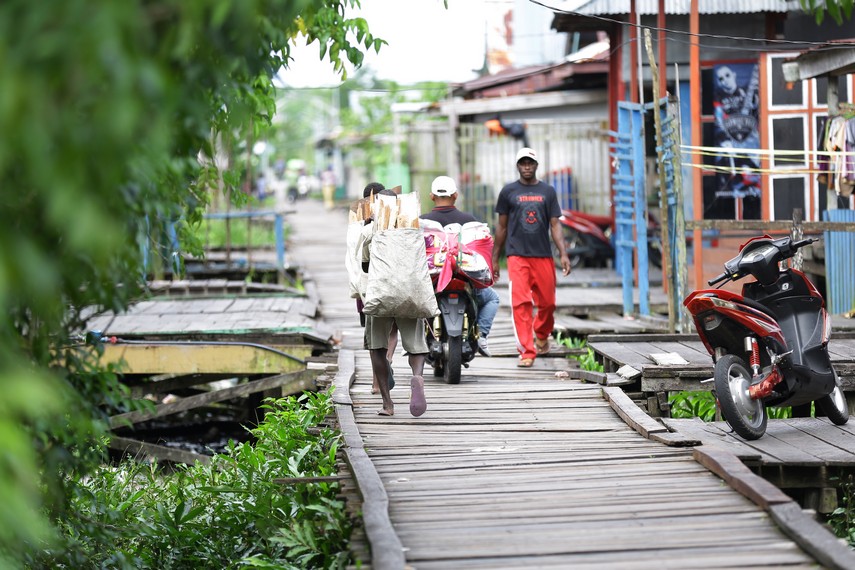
point(418, 405)
point(387, 411)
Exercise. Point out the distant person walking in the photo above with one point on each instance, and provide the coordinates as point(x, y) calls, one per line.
point(528, 216)
point(328, 187)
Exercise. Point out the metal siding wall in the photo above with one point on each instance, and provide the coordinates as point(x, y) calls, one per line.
point(840, 264)
point(564, 147)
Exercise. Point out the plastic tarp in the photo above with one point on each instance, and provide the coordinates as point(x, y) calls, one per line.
point(459, 250)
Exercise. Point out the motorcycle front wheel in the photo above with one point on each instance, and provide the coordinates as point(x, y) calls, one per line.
point(834, 405)
point(747, 417)
point(453, 360)
point(572, 244)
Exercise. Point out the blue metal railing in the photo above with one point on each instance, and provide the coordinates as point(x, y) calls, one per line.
point(630, 205)
point(278, 227)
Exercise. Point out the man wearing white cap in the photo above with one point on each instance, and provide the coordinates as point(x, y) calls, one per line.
point(443, 192)
point(528, 216)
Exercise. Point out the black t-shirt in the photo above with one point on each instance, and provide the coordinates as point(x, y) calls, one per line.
point(529, 210)
point(448, 215)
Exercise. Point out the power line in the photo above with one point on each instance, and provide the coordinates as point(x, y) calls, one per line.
point(685, 33)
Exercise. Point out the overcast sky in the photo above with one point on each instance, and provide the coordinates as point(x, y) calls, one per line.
point(427, 42)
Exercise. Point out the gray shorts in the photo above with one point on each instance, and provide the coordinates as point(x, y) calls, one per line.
point(410, 331)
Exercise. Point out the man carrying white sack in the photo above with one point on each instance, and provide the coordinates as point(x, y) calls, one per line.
point(393, 301)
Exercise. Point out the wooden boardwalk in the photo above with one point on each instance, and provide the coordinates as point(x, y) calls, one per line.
point(529, 469)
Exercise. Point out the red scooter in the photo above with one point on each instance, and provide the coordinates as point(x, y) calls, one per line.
point(769, 344)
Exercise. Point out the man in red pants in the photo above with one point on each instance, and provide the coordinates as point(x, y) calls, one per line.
point(528, 216)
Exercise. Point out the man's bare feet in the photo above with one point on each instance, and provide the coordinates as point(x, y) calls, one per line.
point(418, 404)
point(387, 411)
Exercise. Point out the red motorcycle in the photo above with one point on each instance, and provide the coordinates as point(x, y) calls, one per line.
point(769, 344)
point(588, 238)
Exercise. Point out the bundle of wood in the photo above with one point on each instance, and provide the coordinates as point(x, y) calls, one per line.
point(388, 212)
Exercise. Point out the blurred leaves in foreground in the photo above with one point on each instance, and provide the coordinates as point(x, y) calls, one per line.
point(105, 110)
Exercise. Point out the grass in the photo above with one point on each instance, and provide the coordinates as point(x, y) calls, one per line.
point(245, 233)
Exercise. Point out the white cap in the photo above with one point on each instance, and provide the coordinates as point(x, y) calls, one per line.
point(443, 186)
point(526, 152)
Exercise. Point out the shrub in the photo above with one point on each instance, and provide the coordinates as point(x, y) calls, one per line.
point(227, 514)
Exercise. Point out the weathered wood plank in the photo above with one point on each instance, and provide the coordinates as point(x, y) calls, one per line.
point(632, 414)
point(738, 476)
point(387, 552)
point(189, 358)
point(161, 452)
point(710, 436)
point(291, 383)
point(813, 537)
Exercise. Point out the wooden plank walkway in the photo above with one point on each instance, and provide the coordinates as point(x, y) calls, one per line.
point(518, 468)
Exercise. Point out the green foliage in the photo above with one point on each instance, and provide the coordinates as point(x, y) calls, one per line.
point(780, 413)
point(587, 360)
point(228, 514)
point(692, 405)
point(842, 519)
point(837, 9)
point(105, 108)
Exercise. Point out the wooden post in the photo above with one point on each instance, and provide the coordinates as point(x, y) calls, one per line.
point(633, 54)
point(663, 198)
point(660, 39)
point(695, 95)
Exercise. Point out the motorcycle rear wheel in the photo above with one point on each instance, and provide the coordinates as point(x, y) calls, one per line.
point(834, 405)
point(453, 360)
point(746, 416)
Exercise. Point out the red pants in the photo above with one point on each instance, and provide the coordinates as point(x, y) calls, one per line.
point(531, 285)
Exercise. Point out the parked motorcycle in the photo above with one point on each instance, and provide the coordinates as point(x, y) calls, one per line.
point(588, 238)
point(769, 344)
point(452, 336)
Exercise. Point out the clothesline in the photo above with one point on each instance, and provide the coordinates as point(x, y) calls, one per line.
point(743, 152)
point(753, 170)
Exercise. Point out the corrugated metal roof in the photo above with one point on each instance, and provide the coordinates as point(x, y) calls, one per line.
point(675, 7)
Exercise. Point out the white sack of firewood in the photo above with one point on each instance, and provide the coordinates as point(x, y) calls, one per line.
point(398, 280)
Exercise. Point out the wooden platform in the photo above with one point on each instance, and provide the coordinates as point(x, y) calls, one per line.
point(615, 351)
point(813, 442)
